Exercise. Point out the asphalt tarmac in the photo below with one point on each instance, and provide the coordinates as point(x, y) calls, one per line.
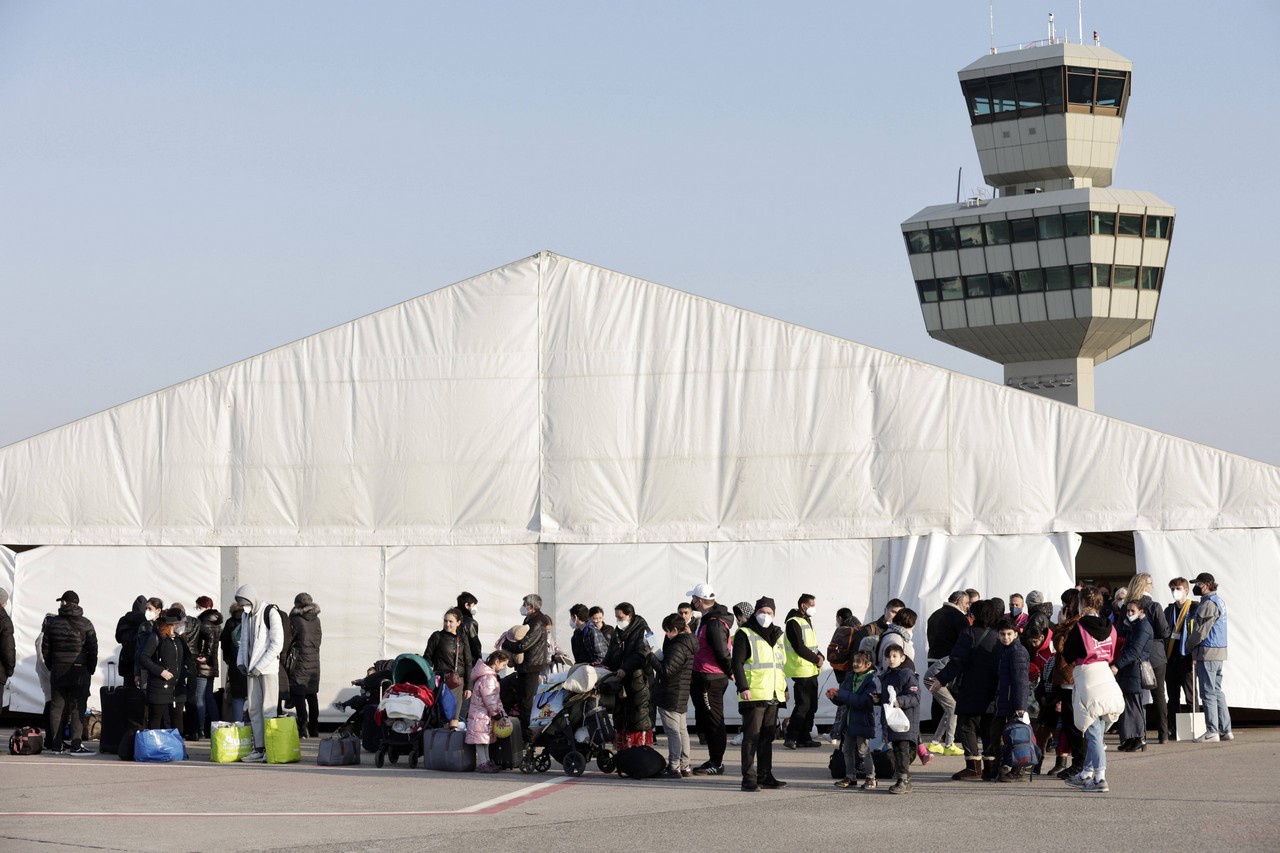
point(1180, 796)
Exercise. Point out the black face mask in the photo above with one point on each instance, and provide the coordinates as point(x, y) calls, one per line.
point(1197, 590)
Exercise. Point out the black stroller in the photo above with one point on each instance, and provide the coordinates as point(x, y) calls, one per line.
point(581, 730)
point(400, 735)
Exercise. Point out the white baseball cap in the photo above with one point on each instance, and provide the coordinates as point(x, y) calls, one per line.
point(702, 590)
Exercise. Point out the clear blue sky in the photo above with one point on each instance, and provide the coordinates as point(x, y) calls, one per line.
point(184, 185)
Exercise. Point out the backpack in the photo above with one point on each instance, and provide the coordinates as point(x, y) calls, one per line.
point(1020, 749)
point(639, 762)
point(27, 740)
point(840, 650)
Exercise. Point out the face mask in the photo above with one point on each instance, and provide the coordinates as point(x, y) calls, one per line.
point(1016, 611)
point(1134, 617)
point(1179, 595)
point(248, 608)
point(623, 623)
point(1197, 590)
point(764, 620)
point(524, 611)
point(181, 629)
point(151, 615)
point(473, 609)
point(812, 610)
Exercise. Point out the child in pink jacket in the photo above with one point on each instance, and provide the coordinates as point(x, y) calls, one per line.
point(485, 705)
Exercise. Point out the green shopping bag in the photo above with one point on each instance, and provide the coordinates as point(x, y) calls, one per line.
point(283, 744)
point(230, 743)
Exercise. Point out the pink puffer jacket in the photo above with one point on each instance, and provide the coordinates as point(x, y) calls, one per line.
point(485, 704)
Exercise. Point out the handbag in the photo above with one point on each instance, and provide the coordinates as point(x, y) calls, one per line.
point(341, 749)
point(451, 679)
point(1148, 675)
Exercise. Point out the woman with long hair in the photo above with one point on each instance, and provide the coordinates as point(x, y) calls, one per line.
point(449, 653)
point(1096, 700)
point(1141, 589)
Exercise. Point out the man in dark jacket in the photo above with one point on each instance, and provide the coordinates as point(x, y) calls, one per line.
point(8, 658)
point(127, 636)
point(876, 628)
point(536, 651)
point(206, 663)
point(470, 629)
point(712, 668)
point(1012, 680)
point(588, 643)
point(675, 670)
point(1180, 616)
point(70, 649)
point(804, 664)
point(946, 624)
point(758, 661)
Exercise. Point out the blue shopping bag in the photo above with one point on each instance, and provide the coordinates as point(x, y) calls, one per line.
point(159, 745)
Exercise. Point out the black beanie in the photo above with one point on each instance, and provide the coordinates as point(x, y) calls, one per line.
point(766, 602)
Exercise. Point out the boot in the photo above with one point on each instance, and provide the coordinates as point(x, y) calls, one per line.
point(972, 770)
point(989, 769)
point(902, 786)
point(1060, 764)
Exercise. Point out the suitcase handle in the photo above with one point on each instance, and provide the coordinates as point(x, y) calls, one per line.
point(112, 668)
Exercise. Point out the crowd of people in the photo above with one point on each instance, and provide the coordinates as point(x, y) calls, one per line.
point(1099, 659)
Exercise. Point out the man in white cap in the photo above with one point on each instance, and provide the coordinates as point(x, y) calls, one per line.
point(712, 669)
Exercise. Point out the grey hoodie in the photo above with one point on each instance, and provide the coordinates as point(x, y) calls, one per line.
point(261, 637)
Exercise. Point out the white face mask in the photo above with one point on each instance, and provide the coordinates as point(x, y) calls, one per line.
point(622, 624)
point(475, 608)
point(764, 620)
point(248, 608)
point(152, 615)
point(1134, 617)
point(181, 629)
point(1179, 595)
point(813, 608)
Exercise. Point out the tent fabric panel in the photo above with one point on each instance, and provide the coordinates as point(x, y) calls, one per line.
point(347, 585)
point(1243, 564)
point(107, 579)
point(423, 582)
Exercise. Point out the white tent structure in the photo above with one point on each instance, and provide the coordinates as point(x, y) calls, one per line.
point(556, 427)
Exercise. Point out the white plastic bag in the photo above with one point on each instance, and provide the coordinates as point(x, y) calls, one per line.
point(895, 718)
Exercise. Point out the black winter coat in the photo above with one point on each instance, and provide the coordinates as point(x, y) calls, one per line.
point(70, 646)
point(1137, 648)
point(975, 660)
point(207, 648)
point(1014, 674)
point(470, 629)
point(443, 649)
point(675, 672)
point(1160, 630)
point(229, 641)
point(943, 629)
point(537, 655)
point(160, 654)
point(303, 653)
point(628, 652)
point(906, 686)
point(8, 657)
point(127, 636)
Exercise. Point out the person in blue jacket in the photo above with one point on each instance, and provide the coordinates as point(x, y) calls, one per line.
point(1012, 680)
point(1127, 670)
point(906, 688)
point(858, 698)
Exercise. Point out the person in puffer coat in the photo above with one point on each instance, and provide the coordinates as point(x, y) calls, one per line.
point(857, 700)
point(303, 660)
point(486, 703)
point(207, 664)
point(976, 657)
point(167, 660)
point(906, 687)
point(628, 656)
point(675, 672)
point(1127, 668)
point(1012, 689)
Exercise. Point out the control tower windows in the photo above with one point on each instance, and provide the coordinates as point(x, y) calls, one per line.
point(1002, 284)
point(944, 238)
point(977, 285)
point(1030, 281)
point(1102, 222)
point(950, 288)
point(918, 242)
point(1158, 227)
point(1080, 276)
point(1076, 224)
point(1023, 230)
point(970, 236)
point(1150, 277)
point(928, 290)
point(1057, 278)
point(1038, 280)
point(1101, 275)
point(1126, 277)
point(1049, 227)
point(1129, 225)
point(1033, 93)
point(997, 232)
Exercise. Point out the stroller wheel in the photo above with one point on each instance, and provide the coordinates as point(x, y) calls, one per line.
point(574, 764)
point(605, 761)
point(413, 758)
point(379, 758)
point(395, 756)
point(542, 763)
point(526, 765)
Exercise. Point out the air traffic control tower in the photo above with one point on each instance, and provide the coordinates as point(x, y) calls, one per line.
point(1058, 271)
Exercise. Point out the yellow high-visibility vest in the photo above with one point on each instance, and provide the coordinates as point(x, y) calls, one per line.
point(764, 670)
point(798, 667)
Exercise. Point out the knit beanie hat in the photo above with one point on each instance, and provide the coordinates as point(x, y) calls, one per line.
point(766, 601)
point(1034, 597)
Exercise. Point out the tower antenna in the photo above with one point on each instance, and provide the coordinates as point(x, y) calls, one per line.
point(1080, 18)
point(991, 22)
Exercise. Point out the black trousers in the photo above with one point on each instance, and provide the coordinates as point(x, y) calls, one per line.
point(1133, 722)
point(707, 690)
point(759, 722)
point(67, 705)
point(161, 717)
point(527, 681)
point(800, 726)
point(1159, 710)
point(903, 752)
point(969, 727)
point(308, 707)
point(1177, 678)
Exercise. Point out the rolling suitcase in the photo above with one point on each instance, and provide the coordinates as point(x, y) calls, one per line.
point(459, 756)
point(506, 752)
point(123, 708)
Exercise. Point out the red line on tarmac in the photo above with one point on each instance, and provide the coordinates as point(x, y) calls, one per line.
point(494, 806)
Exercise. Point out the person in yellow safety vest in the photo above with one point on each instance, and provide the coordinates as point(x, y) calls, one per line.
point(804, 663)
point(758, 662)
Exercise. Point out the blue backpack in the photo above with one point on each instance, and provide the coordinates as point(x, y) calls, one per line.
point(1020, 747)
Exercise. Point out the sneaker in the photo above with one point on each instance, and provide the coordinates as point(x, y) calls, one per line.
point(671, 773)
point(925, 755)
point(1096, 786)
point(56, 750)
point(1207, 737)
point(1070, 770)
point(749, 786)
point(953, 749)
point(1227, 736)
point(708, 769)
point(256, 757)
point(837, 742)
point(789, 744)
point(1080, 780)
point(80, 750)
point(488, 767)
point(936, 748)
point(686, 772)
point(770, 782)
point(808, 744)
point(846, 782)
point(902, 786)
point(869, 785)
point(339, 705)
point(737, 740)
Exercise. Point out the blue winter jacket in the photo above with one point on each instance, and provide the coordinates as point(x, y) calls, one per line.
point(904, 681)
point(1137, 648)
point(857, 699)
point(1013, 675)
